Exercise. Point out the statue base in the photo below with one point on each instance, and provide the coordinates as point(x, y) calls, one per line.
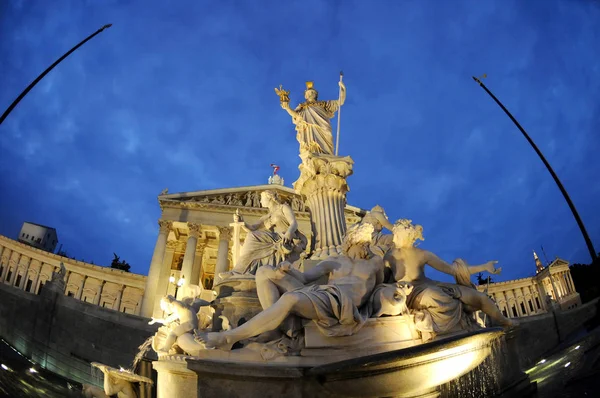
point(322, 184)
point(236, 301)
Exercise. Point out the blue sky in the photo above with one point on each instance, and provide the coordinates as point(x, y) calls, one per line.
point(180, 95)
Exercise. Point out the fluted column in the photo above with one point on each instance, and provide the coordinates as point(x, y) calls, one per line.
point(565, 277)
point(222, 253)
point(188, 257)
point(163, 280)
point(570, 279)
point(554, 289)
point(323, 186)
point(155, 268)
point(197, 267)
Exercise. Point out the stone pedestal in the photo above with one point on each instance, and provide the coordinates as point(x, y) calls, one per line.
point(175, 379)
point(236, 300)
point(322, 184)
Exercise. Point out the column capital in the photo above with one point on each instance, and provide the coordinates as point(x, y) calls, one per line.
point(194, 229)
point(165, 226)
point(224, 233)
point(172, 245)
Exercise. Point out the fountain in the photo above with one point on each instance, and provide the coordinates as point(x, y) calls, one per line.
point(355, 317)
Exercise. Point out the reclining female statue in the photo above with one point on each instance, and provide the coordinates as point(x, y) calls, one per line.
point(441, 306)
point(338, 308)
point(273, 239)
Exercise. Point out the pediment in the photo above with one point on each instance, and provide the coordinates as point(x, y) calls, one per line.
point(242, 197)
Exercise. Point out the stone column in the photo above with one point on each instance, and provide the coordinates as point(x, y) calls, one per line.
point(99, 293)
point(188, 258)
point(554, 289)
point(323, 186)
point(561, 289)
point(155, 267)
point(23, 282)
point(80, 290)
point(34, 283)
point(197, 267)
point(165, 273)
point(117, 304)
point(236, 227)
point(565, 277)
point(6, 253)
point(570, 279)
point(222, 253)
point(15, 268)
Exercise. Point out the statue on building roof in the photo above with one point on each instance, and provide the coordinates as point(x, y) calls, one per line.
point(313, 119)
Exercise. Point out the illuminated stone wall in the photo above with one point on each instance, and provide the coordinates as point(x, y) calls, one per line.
point(28, 268)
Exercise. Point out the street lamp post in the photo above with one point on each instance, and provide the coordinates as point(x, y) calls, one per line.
point(588, 241)
point(44, 73)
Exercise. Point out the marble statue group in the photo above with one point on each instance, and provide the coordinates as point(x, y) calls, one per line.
point(337, 279)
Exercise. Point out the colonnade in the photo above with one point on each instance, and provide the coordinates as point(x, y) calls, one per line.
point(29, 269)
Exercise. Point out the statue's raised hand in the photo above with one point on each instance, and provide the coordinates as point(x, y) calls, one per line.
point(285, 105)
point(490, 267)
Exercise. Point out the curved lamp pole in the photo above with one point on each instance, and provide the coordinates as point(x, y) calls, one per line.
point(588, 241)
point(44, 73)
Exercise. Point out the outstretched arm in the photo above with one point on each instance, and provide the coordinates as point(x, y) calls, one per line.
point(439, 264)
point(292, 113)
point(449, 269)
point(323, 268)
point(383, 220)
point(258, 225)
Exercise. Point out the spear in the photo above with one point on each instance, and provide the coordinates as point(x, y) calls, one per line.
point(337, 140)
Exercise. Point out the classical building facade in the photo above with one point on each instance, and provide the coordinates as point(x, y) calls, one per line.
point(199, 239)
point(39, 236)
point(28, 268)
point(552, 286)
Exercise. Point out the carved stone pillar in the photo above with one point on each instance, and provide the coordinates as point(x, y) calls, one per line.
point(188, 257)
point(570, 279)
point(224, 238)
point(155, 268)
point(163, 280)
point(80, 290)
point(554, 290)
point(99, 293)
point(323, 185)
point(197, 267)
point(117, 304)
point(25, 267)
point(5, 259)
point(236, 227)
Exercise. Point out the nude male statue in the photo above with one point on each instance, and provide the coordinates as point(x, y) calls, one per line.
point(335, 307)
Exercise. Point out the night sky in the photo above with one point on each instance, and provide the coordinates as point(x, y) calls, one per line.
point(180, 95)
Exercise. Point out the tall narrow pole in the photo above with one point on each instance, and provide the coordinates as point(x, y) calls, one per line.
point(588, 241)
point(44, 73)
point(337, 139)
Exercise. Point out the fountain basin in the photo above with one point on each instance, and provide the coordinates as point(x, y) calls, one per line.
point(408, 372)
